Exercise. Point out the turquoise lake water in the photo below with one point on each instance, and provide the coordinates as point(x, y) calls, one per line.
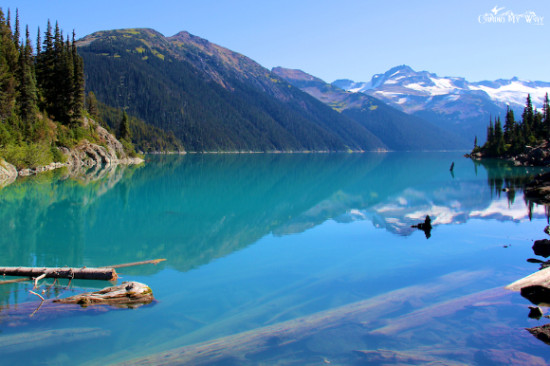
point(279, 259)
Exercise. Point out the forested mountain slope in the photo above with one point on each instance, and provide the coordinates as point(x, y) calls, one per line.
point(211, 98)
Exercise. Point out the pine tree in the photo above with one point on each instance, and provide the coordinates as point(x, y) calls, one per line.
point(498, 138)
point(45, 70)
point(546, 117)
point(490, 133)
point(8, 65)
point(528, 119)
point(509, 126)
point(27, 86)
point(16, 33)
point(91, 104)
point(124, 129)
point(78, 83)
point(38, 43)
point(538, 125)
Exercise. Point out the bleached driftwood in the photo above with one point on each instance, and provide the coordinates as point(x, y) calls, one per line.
point(128, 294)
point(540, 278)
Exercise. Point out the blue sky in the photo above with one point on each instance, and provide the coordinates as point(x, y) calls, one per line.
point(331, 39)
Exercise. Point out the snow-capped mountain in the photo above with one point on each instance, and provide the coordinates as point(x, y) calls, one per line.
point(463, 106)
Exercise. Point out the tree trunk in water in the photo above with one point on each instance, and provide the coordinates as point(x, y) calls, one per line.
point(107, 274)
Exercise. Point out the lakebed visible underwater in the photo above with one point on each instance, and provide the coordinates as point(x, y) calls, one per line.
point(280, 259)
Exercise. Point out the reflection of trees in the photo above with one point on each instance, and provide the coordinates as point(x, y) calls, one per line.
point(503, 176)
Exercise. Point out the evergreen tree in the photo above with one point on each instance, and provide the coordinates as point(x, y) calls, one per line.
point(8, 65)
point(45, 70)
point(509, 126)
point(16, 33)
point(546, 117)
point(27, 86)
point(528, 119)
point(124, 129)
point(38, 42)
point(490, 132)
point(498, 138)
point(78, 83)
point(91, 104)
point(538, 125)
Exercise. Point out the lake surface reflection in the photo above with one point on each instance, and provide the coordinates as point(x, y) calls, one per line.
point(280, 259)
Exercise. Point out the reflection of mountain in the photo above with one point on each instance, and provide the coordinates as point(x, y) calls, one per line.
point(450, 202)
point(196, 208)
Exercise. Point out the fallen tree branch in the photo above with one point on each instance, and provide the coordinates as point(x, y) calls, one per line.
point(15, 281)
point(152, 261)
point(40, 296)
point(43, 275)
point(108, 274)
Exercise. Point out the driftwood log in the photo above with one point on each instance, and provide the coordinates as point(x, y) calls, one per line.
point(117, 297)
point(107, 274)
point(540, 278)
point(127, 294)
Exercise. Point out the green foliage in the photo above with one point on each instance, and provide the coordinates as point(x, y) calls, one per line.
point(27, 155)
point(57, 155)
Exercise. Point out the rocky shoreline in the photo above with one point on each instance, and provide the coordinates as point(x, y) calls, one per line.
point(531, 156)
point(83, 156)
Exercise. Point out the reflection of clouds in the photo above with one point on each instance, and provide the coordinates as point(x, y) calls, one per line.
point(502, 210)
point(440, 215)
point(411, 207)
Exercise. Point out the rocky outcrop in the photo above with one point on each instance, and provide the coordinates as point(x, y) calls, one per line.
point(80, 158)
point(531, 156)
point(534, 156)
point(8, 173)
